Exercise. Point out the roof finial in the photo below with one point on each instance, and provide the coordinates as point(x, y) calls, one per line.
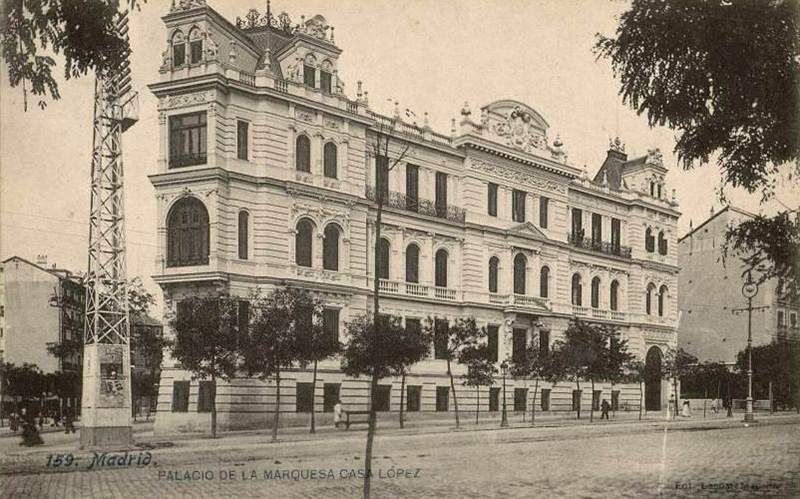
point(453, 126)
point(616, 145)
point(425, 120)
point(269, 13)
point(331, 34)
point(585, 173)
point(465, 111)
point(712, 211)
point(359, 93)
point(396, 110)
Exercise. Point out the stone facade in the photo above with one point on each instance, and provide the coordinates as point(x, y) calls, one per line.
point(258, 142)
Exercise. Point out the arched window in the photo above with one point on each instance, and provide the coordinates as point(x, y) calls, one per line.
point(440, 279)
point(244, 222)
point(520, 268)
point(649, 242)
point(614, 295)
point(195, 46)
point(577, 290)
point(544, 282)
point(596, 292)
point(178, 50)
point(662, 243)
point(383, 259)
point(303, 240)
point(302, 154)
point(662, 297)
point(329, 160)
point(330, 248)
point(648, 306)
point(494, 265)
point(187, 233)
point(412, 263)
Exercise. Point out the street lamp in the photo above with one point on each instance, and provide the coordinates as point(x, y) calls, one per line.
point(749, 291)
point(504, 371)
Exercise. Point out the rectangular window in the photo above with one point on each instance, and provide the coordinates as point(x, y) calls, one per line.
point(330, 395)
point(330, 322)
point(441, 194)
point(442, 398)
point(325, 81)
point(576, 399)
point(596, 400)
point(441, 332)
point(178, 55)
point(615, 400)
point(597, 228)
point(310, 76)
point(180, 396)
point(241, 139)
point(493, 343)
point(518, 206)
point(383, 395)
point(544, 342)
point(305, 397)
point(658, 191)
point(652, 188)
point(205, 396)
point(520, 399)
point(413, 398)
point(412, 187)
point(577, 225)
point(494, 399)
point(187, 140)
point(545, 399)
point(793, 320)
point(519, 342)
point(491, 202)
point(544, 204)
point(781, 320)
point(413, 325)
point(616, 234)
point(196, 51)
point(382, 175)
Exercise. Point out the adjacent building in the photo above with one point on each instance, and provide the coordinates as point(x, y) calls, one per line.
point(267, 174)
point(713, 326)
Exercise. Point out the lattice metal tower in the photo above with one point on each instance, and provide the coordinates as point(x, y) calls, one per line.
point(106, 398)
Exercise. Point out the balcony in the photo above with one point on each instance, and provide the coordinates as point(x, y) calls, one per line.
point(599, 246)
point(182, 160)
point(579, 311)
point(418, 290)
point(417, 205)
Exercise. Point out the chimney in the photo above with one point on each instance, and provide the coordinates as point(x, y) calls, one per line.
point(616, 150)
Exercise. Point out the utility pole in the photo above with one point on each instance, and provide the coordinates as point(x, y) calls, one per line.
point(106, 401)
point(749, 291)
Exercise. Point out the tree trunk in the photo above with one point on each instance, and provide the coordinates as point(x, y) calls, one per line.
point(402, 396)
point(591, 408)
point(213, 407)
point(580, 396)
point(453, 387)
point(675, 391)
point(277, 406)
point(313, 397)
point(533, 404)
point(370, 437)
point(641, 400)
point(613, 409)
point(477, 402)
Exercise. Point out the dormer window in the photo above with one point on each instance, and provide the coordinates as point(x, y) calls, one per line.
point(325, 81)
point(178, 50)
point(309, 76)
point(195, 46)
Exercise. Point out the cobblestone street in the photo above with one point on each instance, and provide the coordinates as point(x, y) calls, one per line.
point(712, 458)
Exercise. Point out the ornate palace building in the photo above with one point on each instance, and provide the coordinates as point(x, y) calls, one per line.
point(267, 175)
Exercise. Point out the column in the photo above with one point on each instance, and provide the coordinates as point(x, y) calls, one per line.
point(529, 199)
point(316, 154)
point(211, 134)
point(162, 142)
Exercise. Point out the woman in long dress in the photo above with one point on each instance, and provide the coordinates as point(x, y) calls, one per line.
point(337, 414)
point(687, 409)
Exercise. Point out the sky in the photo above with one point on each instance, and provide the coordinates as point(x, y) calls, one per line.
point(428, 56)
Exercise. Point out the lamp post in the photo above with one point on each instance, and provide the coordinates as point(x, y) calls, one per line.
point(749, 291)
point(504, 370)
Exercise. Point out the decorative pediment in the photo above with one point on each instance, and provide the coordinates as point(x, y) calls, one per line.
point(516, 125)
point(527, 230)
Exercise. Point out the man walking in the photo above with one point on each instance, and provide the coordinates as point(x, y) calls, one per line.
point(604, 407)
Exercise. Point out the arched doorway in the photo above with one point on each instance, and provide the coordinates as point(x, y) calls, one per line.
point(652, 380)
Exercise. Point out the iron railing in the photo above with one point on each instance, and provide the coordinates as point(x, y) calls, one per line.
point(599, 246)
point(400, 201)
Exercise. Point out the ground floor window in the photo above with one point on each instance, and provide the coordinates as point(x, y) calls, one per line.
point(596, 399)
point(494, 399)
point(520, 399)
point(330, 396)
point(305, 397)
point(442, 398)
point(576, 400)
point(180, 396)
point(382, 395)
point(546, 399)
point(205, 396)
point(413, 398)
point(614, 400)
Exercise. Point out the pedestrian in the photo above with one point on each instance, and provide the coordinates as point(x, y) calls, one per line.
point(714, 403)
point(13, 422)
point(687, 409)
point(68, 425)
point(604, 407)
point(30, 435)
point(337, 414)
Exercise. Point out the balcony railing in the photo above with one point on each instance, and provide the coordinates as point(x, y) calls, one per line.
point(617, 315)
point(580, 311)
point(530, 301)
point(189, 159)
point(282, 86)
point(247, 78)
point(400, 201)
point(444, 293)
point(599, 246)
point(388, 286)
point(498, 299)
point(414, 289)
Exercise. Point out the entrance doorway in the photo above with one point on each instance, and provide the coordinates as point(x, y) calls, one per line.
point(652, 380)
